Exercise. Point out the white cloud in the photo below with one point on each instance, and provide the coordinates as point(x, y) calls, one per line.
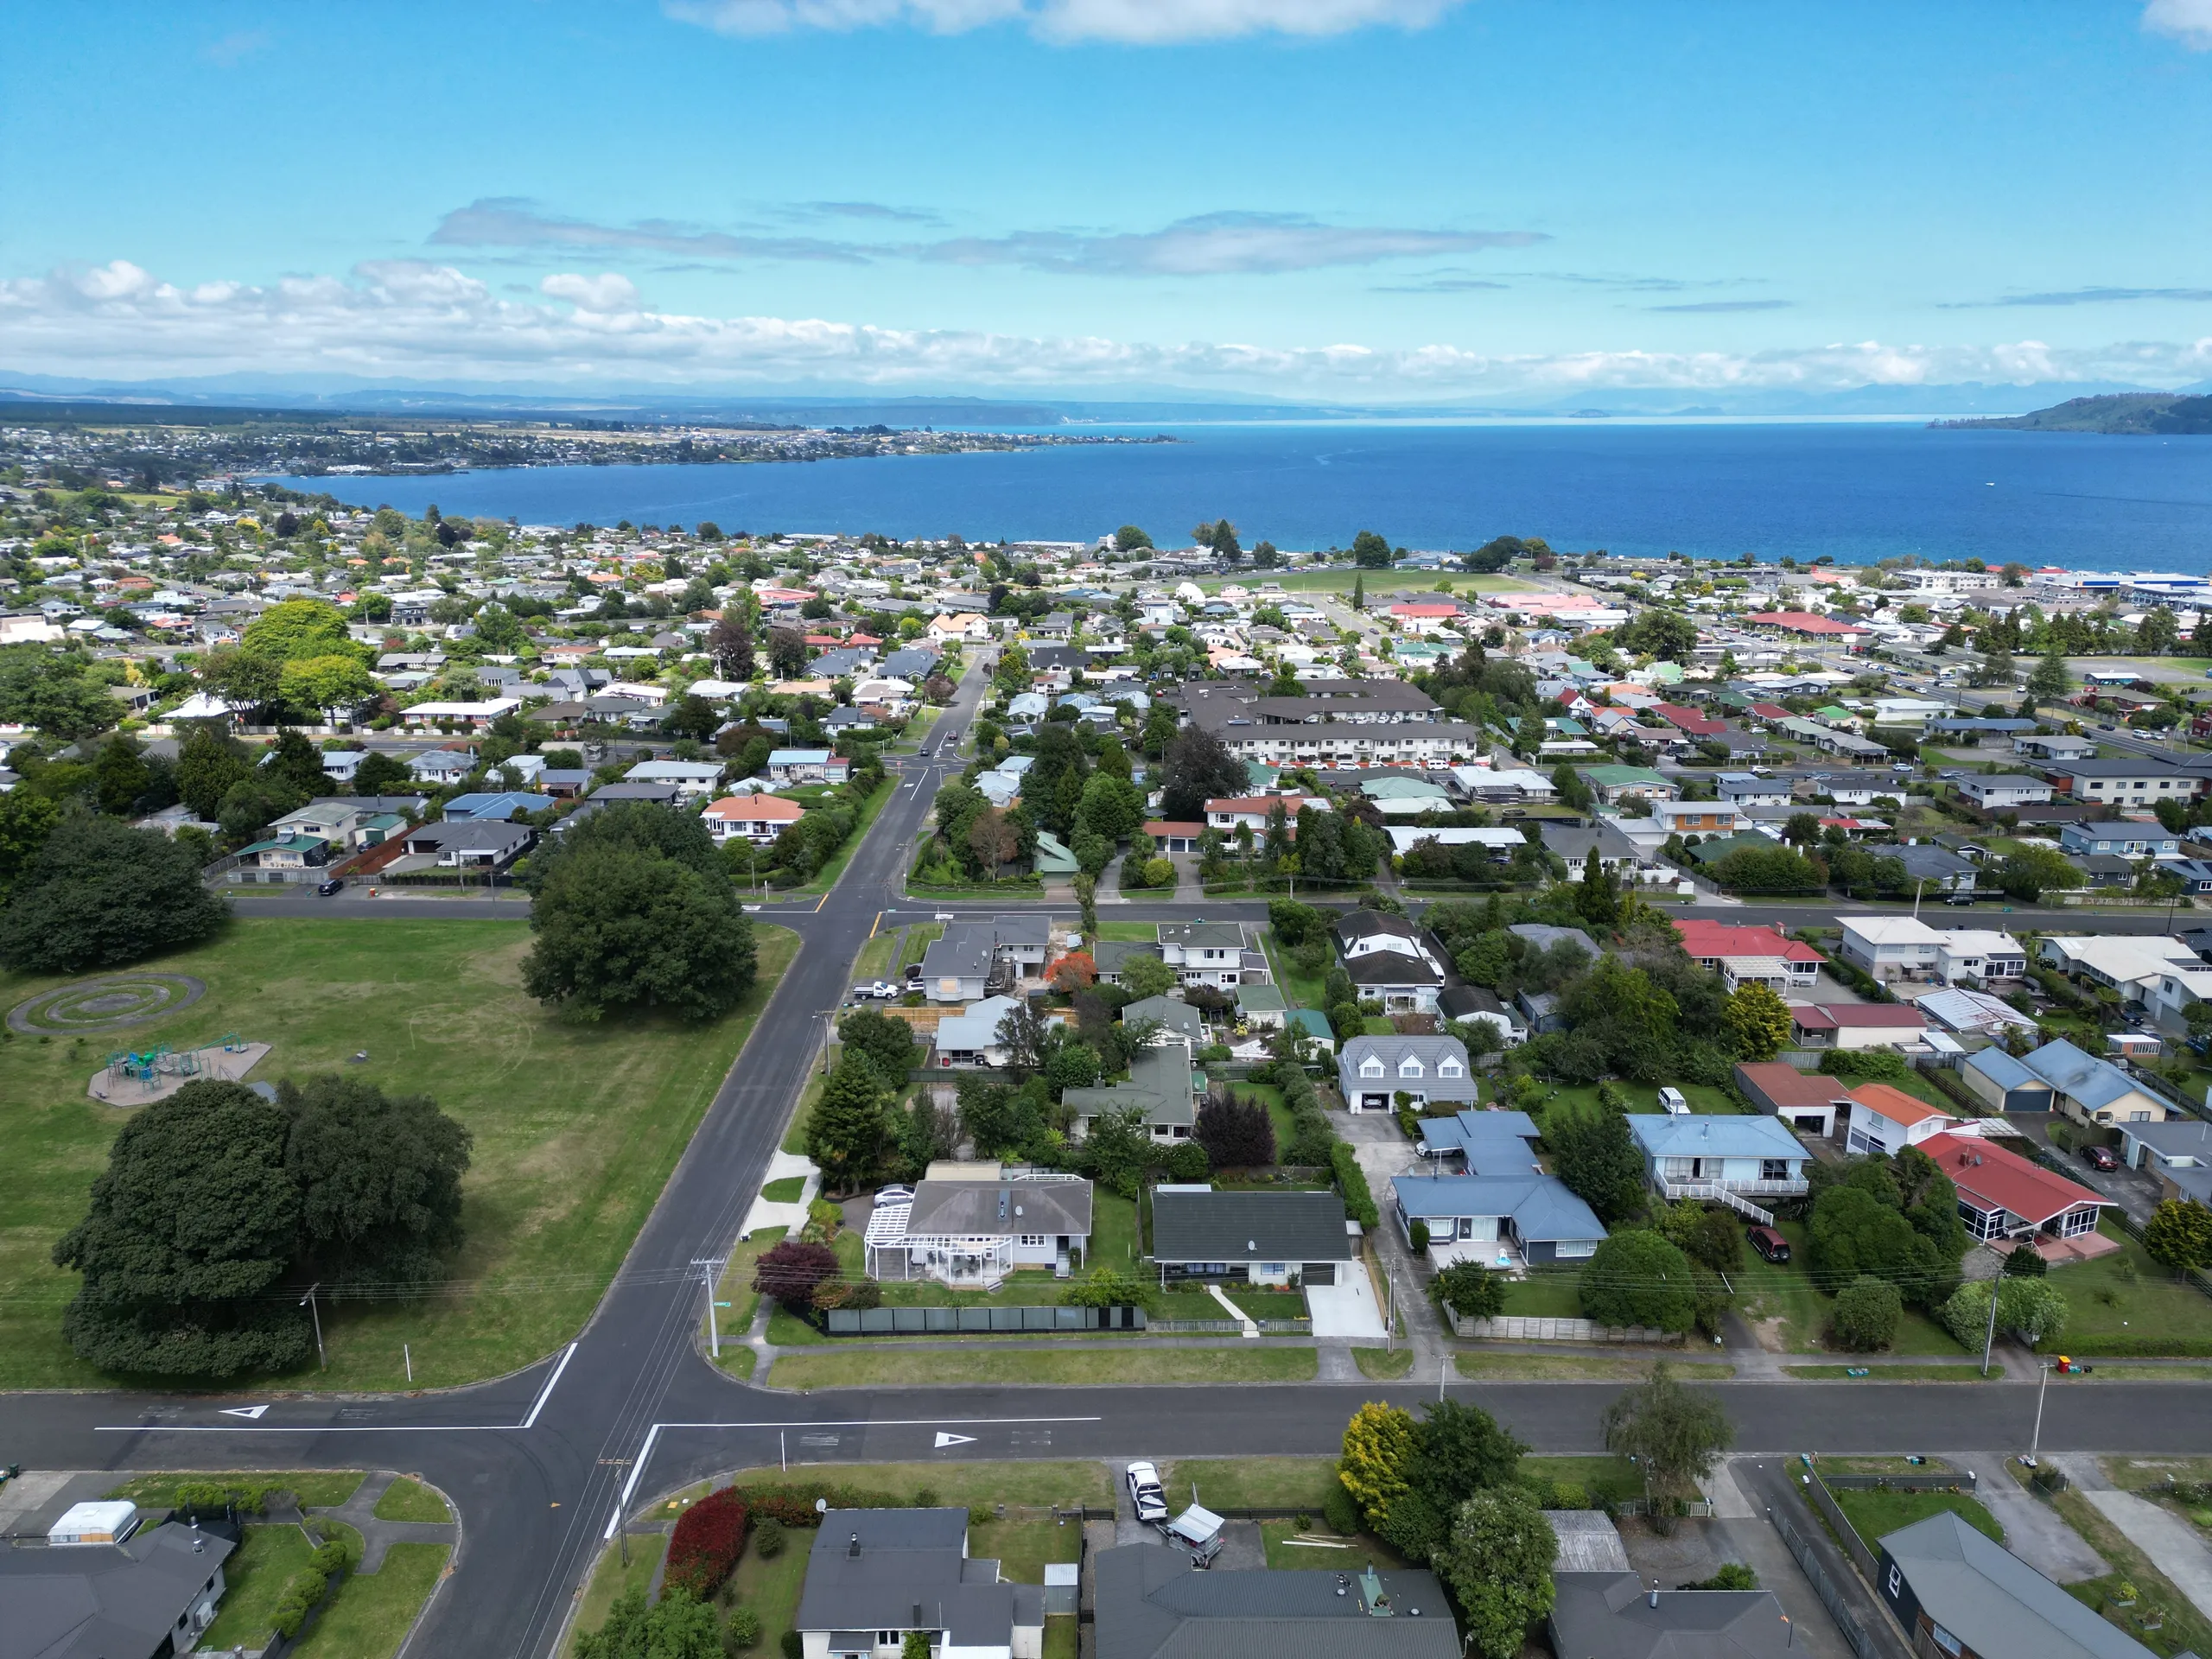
point(2188, 22)
point(610, 291)
point(1133, 22)
point(1218, 245)
point(426, 321)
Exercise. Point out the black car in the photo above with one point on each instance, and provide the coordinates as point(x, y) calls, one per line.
point(330, 887)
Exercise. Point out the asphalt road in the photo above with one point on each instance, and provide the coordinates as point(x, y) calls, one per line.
point(542, 1462)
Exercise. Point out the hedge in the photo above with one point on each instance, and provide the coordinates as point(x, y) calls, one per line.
point(792, 1501)
point(707, 1542)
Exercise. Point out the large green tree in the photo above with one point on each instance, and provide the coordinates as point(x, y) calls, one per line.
point(848, 1129)
point(26, 821)
point(378, 1179)
point(1596, 1157)
point(1675, 1435)
point(1498, 1563)
point(191, 1227)
point(208, 765)
point(298, 629)
point(1639, 1278)
point(634, 912)
point(1197, 768)
point(101, 894)
point(886, 1039)
point(674, 1627)
point(52, 691)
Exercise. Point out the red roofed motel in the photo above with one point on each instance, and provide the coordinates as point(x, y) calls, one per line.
point(1711, 943)
point(1857, 1025)
point(1822, 627)
point(758, 818)
point(1175, 837)
point(2003, 1197)
point(1253, 809)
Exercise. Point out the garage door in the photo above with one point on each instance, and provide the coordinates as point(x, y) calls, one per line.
point(1321, 1273)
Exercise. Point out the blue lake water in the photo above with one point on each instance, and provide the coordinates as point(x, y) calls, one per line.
point(1855, 492)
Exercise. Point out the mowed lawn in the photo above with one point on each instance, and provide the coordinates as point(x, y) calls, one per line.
point(576, 1128)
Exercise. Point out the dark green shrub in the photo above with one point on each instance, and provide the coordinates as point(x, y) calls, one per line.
point(1867, 1312)
point(1340, 1511)
point(768, 1539)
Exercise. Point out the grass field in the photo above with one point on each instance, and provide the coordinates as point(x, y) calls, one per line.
point(1545, 1296)
point(1130, 932)
point(576, 1128)
point(1765, 1291)
point(1250, 1483)
point(1875, 1515)
point(849, 1368)
point(2127, 1302)
point(1382, 1365)
point(1300, 990)
point(374, 1611)
point(407, 1499)
point(772, 1589)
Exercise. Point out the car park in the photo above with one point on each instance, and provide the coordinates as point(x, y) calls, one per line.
point(2100, 1158)
point(1770, 1245)
point(1146, 1495)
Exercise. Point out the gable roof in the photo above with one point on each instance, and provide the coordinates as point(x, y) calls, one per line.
point(1702, 1136)
point(1995, 1602)
point(905, 1559)
point(1161, 1085)
point(1886, 1101)
point(1541, 1207)
point(1391, 1051)
point(1152, 1604)
point(999, 1209)
point(1248, 1226)
point(1390, 968)
point(1787, 1087)
point(1988, 1177)
point(1608, 1616)
point(108, 1598)
point(1493, 1143)
point(2080, 1077)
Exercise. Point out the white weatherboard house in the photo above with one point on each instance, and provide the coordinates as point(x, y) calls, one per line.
point(1374, 1070)
point(974, 1224)
point(1204, 953)
point(1889, 947)
point(1731, 1160)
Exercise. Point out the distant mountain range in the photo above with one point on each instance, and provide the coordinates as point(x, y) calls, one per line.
point(2169, 414)
point(233, 395)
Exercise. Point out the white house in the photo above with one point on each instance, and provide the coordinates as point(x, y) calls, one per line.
point(971, 1038)
point(758, 819)
point(1885, 1120)
point(1993, 792)
point(2131, 966)
point(1731, 1160)
point(1253, 811)
point(1374, 1070)
point(1889, 947)
point(1204, 953)
point(968, 1225)
point(478, 714)
point(808, 766)
point(692, 778)
point(1983, 954)
point(1742, 789)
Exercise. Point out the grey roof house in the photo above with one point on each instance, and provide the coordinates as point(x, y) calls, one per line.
point(973, 957)
point(1152, 1604)
point(1261, 1236)
point(1958, 1593)
point(873, 1575)
point(969, 1224)
point(1109, 955)
point(150, 1595)
point(1374, 1070)
point(1160, 1086)
point(1615, 1615)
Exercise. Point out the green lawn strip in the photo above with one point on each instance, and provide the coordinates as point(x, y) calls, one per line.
point(1314, 1548)
point(255, 1577)
point(1643, 1097)
point(1378, 1025)
point(408, 1499)
point(1874, 1467)
point(1113, 1231)
point(1130, 932)
point(1382, 1365)
point(1874, 1515)
point(318, 1489)
point(576, 1128)
point(795, 1131)
point(2125, 1303)
point(771, 1588)
point(1250, 1483)
point(2121, 1371)
point(878, 956)
point(610, 1578)
point(1959, 1373)
point(916, 940)
point(784, 1191)
point(1063, 1484)
point(1298, 989)
point(826, 877)
point(736, 1286)
point(1061, 1638)
point(1039, 1363)
point(373, 1612)
point(1023, 1548)
point(1589, 1473)
point(787, 1330)
point(1545, 1296)
point(1487, 1365)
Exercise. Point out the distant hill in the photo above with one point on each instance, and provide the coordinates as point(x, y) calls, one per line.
point(2134, 413)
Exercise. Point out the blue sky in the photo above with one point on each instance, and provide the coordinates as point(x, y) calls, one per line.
point(1365, 200)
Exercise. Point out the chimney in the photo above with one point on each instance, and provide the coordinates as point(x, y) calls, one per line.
point(1652, 1600)
point(853, 1550)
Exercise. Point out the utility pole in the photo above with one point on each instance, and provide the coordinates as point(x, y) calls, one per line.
point(710, 1270)
point(322, 1360)
point(1989, 1340)
point(2035, 1444)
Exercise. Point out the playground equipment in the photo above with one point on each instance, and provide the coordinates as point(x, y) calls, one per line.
point(150, 1068)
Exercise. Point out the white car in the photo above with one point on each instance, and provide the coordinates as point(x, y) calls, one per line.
point(886, 989)
point(1144, 1493)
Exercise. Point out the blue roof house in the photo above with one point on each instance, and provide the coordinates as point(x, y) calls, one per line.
point(2005, 1082)
point(1731, 1160)
point(1505, 1223)
point(2059, 1077)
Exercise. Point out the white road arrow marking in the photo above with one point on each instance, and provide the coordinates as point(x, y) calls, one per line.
point(945, 1439)
point(243, 1411)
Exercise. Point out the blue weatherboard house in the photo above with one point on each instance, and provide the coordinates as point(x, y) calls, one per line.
point(2125, 837)
point(1504, 1212)
point(1729, 1161)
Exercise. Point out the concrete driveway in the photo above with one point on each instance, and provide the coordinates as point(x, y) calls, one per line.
point(1345, 1309)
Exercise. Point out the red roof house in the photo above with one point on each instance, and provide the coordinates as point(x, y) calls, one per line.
point(1806, 622)
point(1710, 943)
point(2003, 1197)
point(1858, 1025)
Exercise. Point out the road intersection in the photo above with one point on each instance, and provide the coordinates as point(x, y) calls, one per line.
point(543, 1463)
